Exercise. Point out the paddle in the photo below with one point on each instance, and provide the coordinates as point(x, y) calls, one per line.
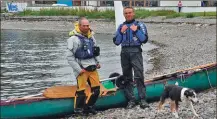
point(198, 67)
point(60, 89)
point(29, 98)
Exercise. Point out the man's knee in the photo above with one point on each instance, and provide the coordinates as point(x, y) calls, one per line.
point(138, 74)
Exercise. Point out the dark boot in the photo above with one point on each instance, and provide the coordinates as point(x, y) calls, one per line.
point(78, 111)
point(92, 110)
point(131, 104)
point(79, 102)
point(85, 111)
point(89, 109)
point(143, 104)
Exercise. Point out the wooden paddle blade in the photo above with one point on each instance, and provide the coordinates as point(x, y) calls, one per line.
point(69, 91)
point(60, 92)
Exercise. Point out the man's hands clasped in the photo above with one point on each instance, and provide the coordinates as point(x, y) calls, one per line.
point(125, 27)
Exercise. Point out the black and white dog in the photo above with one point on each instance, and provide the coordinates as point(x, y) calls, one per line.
point(178, 94)
point(119, 81)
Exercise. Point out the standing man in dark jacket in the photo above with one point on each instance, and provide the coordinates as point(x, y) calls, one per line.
point(131, 34)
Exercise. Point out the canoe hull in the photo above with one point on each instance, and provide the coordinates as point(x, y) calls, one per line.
point(199, 81)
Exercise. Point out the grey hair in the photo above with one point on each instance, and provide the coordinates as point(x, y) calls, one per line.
point(80, 20)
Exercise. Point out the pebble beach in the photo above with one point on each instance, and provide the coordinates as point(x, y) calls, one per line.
point(181, 43)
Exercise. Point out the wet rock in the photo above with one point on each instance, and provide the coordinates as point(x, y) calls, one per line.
point(205, 25)
point(198, 25)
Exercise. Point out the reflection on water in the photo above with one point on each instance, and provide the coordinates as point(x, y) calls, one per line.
point(34, 60)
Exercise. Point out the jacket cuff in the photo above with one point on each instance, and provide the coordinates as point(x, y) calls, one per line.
point(120, 32)
point(134, 32)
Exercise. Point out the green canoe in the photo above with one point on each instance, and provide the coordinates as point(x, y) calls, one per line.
point(199, 79)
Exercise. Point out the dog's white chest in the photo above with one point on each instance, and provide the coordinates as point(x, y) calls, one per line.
point(183, 97)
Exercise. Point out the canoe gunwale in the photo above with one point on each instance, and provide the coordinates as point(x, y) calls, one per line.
point(181, 74)
point(15, 102)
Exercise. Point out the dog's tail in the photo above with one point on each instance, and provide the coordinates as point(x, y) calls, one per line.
point(176, 83)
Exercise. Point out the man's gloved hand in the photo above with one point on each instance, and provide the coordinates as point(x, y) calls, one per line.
point(98, 66)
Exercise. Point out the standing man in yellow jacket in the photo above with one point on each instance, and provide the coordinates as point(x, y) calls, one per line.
point(82, 56)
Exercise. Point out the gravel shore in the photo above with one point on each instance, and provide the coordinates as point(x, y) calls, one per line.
point(206, 109)
point(181, 43)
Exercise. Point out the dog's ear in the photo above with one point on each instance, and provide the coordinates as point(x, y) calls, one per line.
point(186, 93)
point(189, 92)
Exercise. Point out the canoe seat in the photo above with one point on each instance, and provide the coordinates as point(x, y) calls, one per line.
point(69, 91)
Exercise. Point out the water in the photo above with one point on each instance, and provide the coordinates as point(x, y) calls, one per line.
point(34, 60)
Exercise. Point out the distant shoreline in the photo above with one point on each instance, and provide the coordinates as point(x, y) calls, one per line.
point(65, 23)
point(157, 19)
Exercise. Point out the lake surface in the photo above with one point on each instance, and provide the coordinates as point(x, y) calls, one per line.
point(34, 60)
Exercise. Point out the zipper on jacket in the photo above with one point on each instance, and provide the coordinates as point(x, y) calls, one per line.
point(128, 35)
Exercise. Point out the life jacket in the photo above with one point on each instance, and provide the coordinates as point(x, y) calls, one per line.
point(86, 51)
point(129, 37)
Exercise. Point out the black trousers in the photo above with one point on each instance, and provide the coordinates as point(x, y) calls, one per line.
point(180, 8)
point(132, 60)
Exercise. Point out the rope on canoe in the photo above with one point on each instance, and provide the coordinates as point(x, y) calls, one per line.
point(182, 78)
point(208, 78)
